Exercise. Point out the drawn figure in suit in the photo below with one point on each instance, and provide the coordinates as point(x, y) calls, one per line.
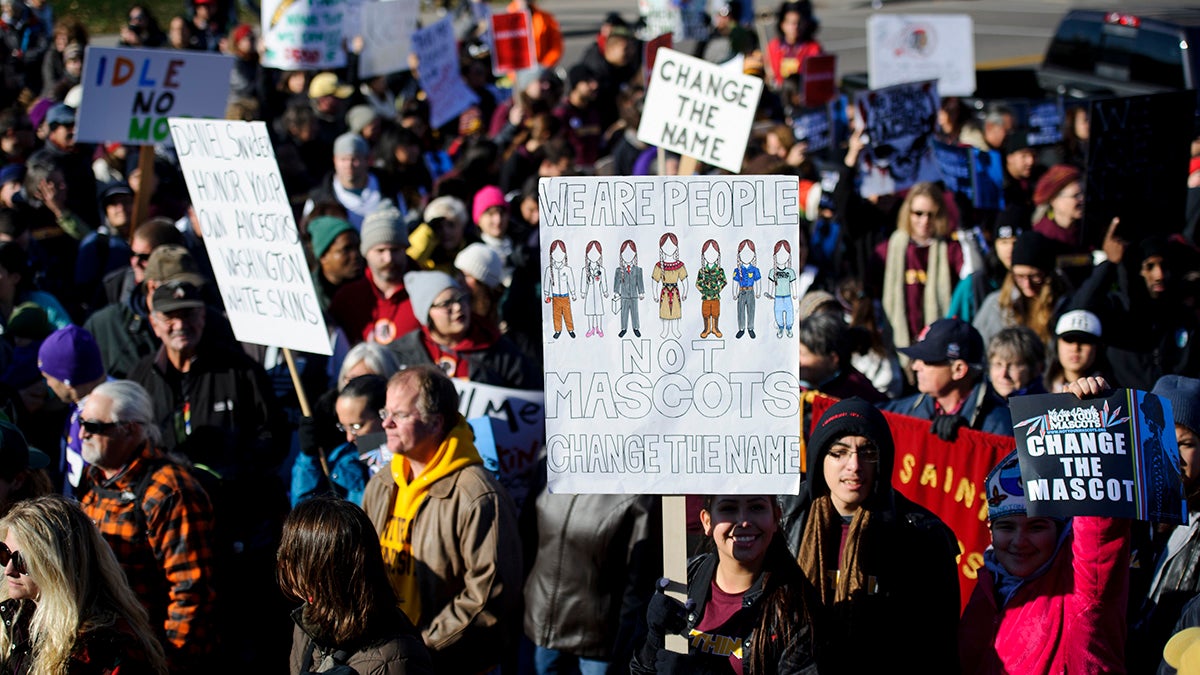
point(628, 286)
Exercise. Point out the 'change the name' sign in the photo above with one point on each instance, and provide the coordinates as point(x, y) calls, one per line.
point(1114, 456)
point(699, 109)
point(251, 236)
point(128, 94)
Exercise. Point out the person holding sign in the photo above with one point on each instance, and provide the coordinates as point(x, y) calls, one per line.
point(747, 608)
point(1051, 596)
point(876, 559)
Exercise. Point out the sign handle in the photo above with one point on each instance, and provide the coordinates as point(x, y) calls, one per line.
point(141, 200)
point(688, 165)
point(303, 400)
point(674, 515)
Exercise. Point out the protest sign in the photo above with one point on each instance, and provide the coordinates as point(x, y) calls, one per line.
point(512, 43)
point(303, 34)
point(684, 19)
point(655, 389)
point(128, 94)
point(820, 86)
point(946, 478)
point(438, 68)
point(900, 121)
point(989, 179)
point(1112, 456)
point(515, 423)
point(814, 126)
point(1044, 121)
point(699, 109)
point(1137, 159)
point(251, 237)
point(651, 53)
point(957, 167)
point(387, 36)
point(905, 48)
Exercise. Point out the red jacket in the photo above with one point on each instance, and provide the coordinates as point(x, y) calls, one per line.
point(360, 309)
point(1069, 620)
point(789, 59)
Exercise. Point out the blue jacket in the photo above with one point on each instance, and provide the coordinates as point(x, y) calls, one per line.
point(347, 472)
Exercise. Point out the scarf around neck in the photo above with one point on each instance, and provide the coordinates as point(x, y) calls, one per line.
point(938, 287)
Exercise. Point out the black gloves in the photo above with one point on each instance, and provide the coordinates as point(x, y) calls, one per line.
point(946, 426)
point(306, 434)
point(664, 616)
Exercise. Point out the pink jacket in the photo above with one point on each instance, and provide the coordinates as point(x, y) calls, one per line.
point(1069, 620)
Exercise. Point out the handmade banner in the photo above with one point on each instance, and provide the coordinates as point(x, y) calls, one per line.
point(438, 68)
point(957, 166)
point(650, 53)
point(681, 375)
point(815, 127)
point(684, 19)
point(904, 48)
point(303, 34)
point(1112, 456)
point(251, 237)
point(989, 179)
point(899, 122)
point(510, 426)
point(1138, 152)
point(387, 36)
point(512, 43)
point(128, 94)
point(946, 478)
point(1044, 121)
point(699, 109)
point(820, 83)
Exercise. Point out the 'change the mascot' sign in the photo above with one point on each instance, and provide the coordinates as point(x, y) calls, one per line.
point(250, 234)
point(699, 109)
point(672, 365)
point(1114, 456)
point(128, 94)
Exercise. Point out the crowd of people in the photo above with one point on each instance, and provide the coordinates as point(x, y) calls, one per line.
point(165, 504)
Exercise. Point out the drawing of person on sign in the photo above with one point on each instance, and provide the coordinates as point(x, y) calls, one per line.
point(558, 287)
point(710, 281)
point(668, 275)
point(746, 287)
point(593, 288)
point(628, 287)
point(1163, 469)
point(783, 278)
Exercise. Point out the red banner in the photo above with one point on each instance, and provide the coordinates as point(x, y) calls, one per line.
point(946, 478)
point(512, 43)
point(820, 85)
point(651, 51)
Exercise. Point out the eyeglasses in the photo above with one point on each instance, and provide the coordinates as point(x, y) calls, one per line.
point(142, 258)
point(922, 214)
point(461, 301)
point(353, 429)
point(385, 415)
point(865, 454)
point(96, 427)
point(15, 556)
point(1034, 278)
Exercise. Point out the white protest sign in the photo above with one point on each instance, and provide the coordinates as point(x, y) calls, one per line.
point(914, 47)
point(251, 236)
point(684, 19)
point(387, 33)
point(699, 109)
point(438, 68)
point(516, 422)
point(303, 34)
point(669, 316)
point(128, 94)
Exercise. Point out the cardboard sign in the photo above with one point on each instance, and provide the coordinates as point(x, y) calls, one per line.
point(303, 34)
point(387, 36)
point(510, 427)
point(684, 19)
point(915, 47)
point(251, 236)
point(437, 53)
point(128, 94)
point(699, 109)
point(677, 379)
point(1113, 456)
point(820, 80)
point(512, 43)
point(650, 53)
point(1137, 164)
point(814, 126)
point(900, 122)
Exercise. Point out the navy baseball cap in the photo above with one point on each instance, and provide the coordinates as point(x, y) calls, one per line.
point(947, 340)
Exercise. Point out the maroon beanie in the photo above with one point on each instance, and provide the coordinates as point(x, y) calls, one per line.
point(1058, 177)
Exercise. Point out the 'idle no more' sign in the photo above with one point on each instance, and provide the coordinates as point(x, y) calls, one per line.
point(128, 94)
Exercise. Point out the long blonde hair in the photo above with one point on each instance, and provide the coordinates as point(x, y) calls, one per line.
point(941, 221)
point(80, 584)
point(1037, 312)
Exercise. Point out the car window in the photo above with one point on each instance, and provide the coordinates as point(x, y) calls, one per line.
point(1119, 53)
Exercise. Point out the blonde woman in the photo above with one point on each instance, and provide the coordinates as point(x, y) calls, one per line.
point(67, 607)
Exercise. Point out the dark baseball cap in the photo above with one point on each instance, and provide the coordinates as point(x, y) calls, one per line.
point(947, 340)
point(175, 295)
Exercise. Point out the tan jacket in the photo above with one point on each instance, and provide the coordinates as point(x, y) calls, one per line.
point(468, 552)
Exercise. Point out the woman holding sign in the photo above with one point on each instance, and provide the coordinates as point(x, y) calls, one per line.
point(1051, 595)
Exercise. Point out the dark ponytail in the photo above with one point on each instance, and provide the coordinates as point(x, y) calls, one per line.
point(783, 615)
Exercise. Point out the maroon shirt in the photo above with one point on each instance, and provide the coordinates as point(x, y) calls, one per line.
point(361, 310)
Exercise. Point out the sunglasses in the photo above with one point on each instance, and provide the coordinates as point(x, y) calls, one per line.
point(97, 427)
point(142, 258)
point(14, 556)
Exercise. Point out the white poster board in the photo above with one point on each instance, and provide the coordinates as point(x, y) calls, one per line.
point(655, 401)
point(303, 34)
point(438, 68)
point(699, 109)
point(510, 432)
point(914, 47)
point(251, 236)
point(684, 19)
point(387, 36)
point(128, 94)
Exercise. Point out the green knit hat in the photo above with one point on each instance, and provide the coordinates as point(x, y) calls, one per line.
point(324, 230)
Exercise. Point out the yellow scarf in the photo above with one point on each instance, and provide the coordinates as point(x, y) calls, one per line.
point(455, 453)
